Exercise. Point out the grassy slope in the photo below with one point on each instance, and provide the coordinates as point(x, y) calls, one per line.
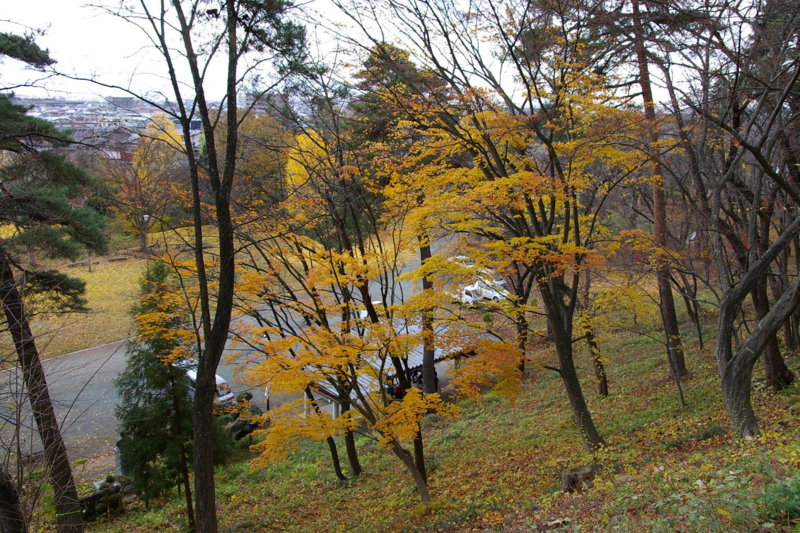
point(111, 290)
point(498, 467)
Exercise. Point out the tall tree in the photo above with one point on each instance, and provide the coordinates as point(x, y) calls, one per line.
point(146, 189)
point(155, 411)
point(730, 115)
point(514, 164)
point(38, 187)
point(245, 36)
point(669, 318)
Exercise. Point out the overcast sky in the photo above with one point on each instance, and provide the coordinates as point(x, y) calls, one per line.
point(81, 39)
point(88, 43)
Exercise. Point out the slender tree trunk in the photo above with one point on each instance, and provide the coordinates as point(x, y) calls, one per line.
point(215, 334)
point(350, 446)
point(68, 510)
point(583, 418)
point(521, 323)
point(689, 294)
point(183, 467)
point(669, 317)
point(337, 464)
point(429, 381)
point(779, 283)
point(778, 375)
point(408, 460)
point(143, 241)
point(187, 488)
point(591, 341)
point(11, 518)
point(419, 455)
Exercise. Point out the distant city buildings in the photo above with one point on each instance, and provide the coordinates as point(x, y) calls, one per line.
point(112, 125)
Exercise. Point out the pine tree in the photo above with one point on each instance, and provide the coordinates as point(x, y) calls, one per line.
point(38, 187)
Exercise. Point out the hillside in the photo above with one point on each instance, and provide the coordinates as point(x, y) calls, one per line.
point(499, 466)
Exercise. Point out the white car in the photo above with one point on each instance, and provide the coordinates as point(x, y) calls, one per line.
point(487, 291)
point(222, 392)
point(490, 277)
point(480, 291)
point(469, 296)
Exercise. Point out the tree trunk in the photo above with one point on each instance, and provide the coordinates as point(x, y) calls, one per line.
point(187, 488)
point(408, 460)
point(183, 467)
point(521, 323)
point(215, 334)
point(736, 393)
point(562, 337)
point(429, 381)
point(68, 510)
point(350, 446)
point(419, 455)
point(689, 293)
point(669, 317)
point(337, 464)
point(11, 518)
point(778, 375)
point(736, 369)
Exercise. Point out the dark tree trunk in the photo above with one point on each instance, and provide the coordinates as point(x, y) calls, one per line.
point(220, 178)
point(429, 380)
point(521, 323)
point(669, 318)
point(561, 327)
point(187, 489)
point(736, 393)
point(778, 375)
point(408, 460)
point(11, 518)
point(350, 446)
point(778, 284)
point(68, 510)
point(736, 368)
point(419, 455)
point(183, 467)
point(689, 293)
point(337, 464)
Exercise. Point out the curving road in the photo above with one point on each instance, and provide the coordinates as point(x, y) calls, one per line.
point(82, 391)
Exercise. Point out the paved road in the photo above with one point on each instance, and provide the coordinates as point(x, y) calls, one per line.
point(82, 390)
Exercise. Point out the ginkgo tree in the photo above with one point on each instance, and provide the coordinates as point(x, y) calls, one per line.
point(145, 188)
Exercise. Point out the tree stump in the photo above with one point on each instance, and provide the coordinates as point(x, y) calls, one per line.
point(575, 479)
